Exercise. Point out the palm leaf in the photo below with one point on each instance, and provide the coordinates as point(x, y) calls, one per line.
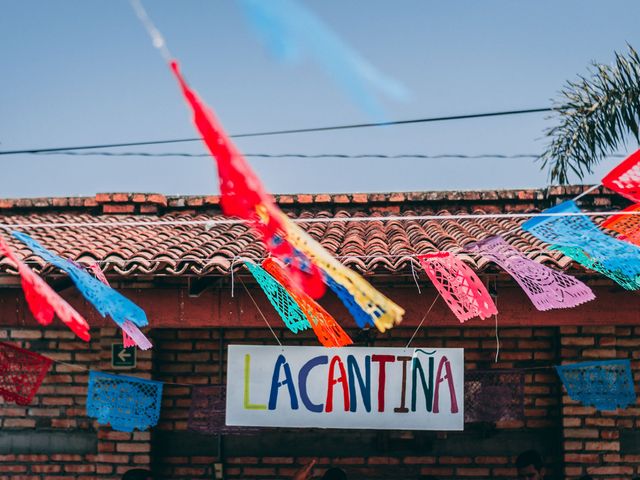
point(596, 116)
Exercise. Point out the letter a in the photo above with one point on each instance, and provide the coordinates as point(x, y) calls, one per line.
point(452, 392)
point(333, 380)
point(276, 384)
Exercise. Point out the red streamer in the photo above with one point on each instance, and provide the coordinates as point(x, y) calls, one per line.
point(243, 195)
point(628, 226)
point(329, 333)
point(21, 373)
point(43, 301)
point(458, 285)
point(625, 178)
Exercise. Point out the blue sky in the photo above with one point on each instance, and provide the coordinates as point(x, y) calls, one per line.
point(84, 71)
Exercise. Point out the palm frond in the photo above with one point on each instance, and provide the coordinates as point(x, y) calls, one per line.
point(597, 114)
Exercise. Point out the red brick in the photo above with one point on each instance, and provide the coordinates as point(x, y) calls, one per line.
point(109, 208)
point(157, 198)
point(103, 197)
point(304, 198)
point(148, 209)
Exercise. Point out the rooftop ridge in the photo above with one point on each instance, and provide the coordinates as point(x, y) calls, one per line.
point(149, 203)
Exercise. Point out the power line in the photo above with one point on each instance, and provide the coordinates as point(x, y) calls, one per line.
point(313, 155)
point(310, 220)
point(286, 132)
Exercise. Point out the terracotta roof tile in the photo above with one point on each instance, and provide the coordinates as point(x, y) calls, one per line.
point(371, 247)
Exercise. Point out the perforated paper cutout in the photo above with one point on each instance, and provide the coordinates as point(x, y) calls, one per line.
point(124, 402)
point(606, 385)
point(106, 300)
point(625, 178)
point(43, 301)
point(131, 335)
point(329, 333)
point(459, 286)
point(21, 373)
point(243, 195)
point(241, 192)
point(628, 226)
point(580, 256)
point(493, 395)
point(278, 296)
point(545, 287)
point(207, 412)
point(577, 236)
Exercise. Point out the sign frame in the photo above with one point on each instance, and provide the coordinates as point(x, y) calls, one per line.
point(120, 357)
point(381, 388)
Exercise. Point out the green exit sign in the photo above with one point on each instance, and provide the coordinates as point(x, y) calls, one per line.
point(122, 357)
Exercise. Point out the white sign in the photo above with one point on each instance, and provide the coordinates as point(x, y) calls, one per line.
point(362, 387)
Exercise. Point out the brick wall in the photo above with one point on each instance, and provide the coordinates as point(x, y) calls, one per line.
point(53, 437)
point(592, 439)
point(576, 439)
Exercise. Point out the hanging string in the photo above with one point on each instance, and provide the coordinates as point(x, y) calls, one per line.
point(87, 369)
point(415, 277)
point(311, 220)
point(260, 311)
point(156, 37)
point(233, 283)
point(587, 191)
point(423, 319)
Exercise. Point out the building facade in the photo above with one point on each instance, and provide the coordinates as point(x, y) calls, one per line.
point(179, 273)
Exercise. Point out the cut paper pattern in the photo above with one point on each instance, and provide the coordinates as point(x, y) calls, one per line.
point(106, 300)
point(243, 195)
point(21, 373)
point(578, 237)
point(43, 301)
point(459, 286)
point(207, 412)
point(291, 30)
point(625, 178)
point(329, 333)
point(131, 335)
point(628, 226)
point(545, 287)
point(493, 395)
point(580, 256)
point(278, 296)
point(124, 402)
point(606, 385)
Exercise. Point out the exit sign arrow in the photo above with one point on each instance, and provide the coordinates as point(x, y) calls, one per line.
point(122, 357)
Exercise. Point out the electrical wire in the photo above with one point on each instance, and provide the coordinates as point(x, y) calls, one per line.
point(286, 132)
point(311, 155)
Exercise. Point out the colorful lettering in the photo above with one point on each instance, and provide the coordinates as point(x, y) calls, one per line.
point(247, 375)
point(403, 391)
point(281, 362)
point(364, 384)
point(382, 360)
point(416, 369)
point(302, 382)
point(333, 381)
point(452, 392)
